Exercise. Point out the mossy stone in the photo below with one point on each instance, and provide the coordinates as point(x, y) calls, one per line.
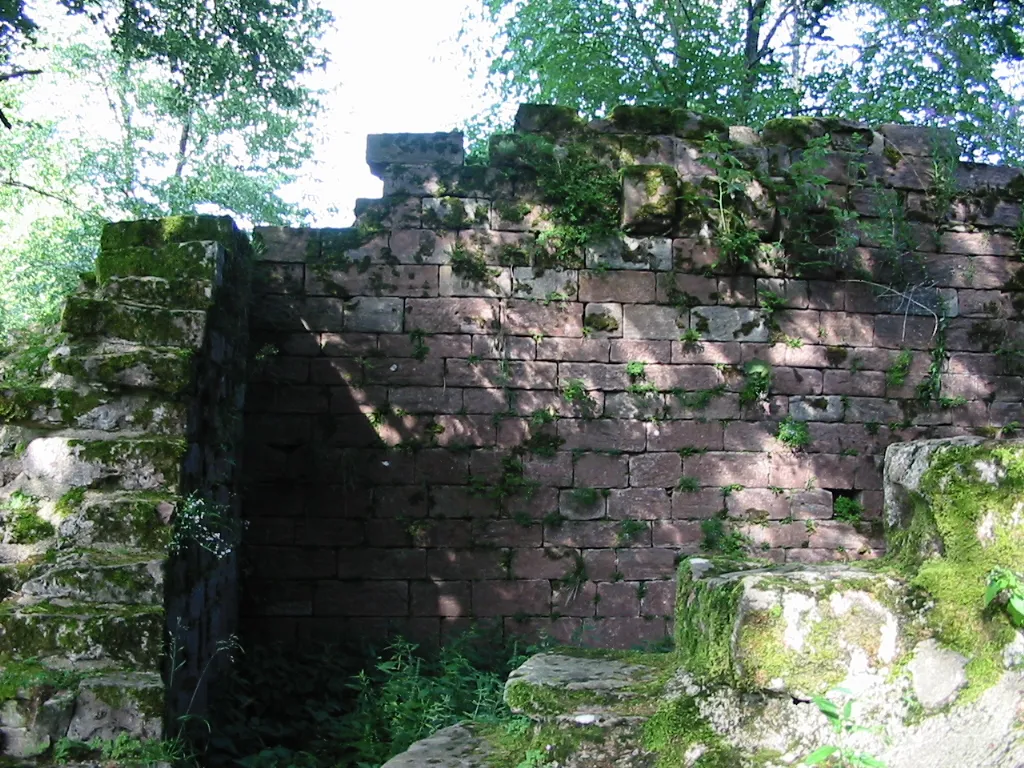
point(85, 316)
point(130, 635)
point(643, 119)
point(184, 261)
point(547, 118)
point(965, 521)
point(154, 233)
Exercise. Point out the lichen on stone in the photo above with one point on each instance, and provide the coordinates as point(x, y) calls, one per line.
point(967, 518)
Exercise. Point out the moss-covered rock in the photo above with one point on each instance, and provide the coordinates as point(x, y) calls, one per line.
point(954, 514)
point(99, 577)
point(85, 316)
point(113, 634)
point(135, 520)
point(115, 703)
point(155, 233)
point(649, 197)
point(684, 123)
point(159, 292)
point(163, 370)
point(201, 261)
point(547, 118)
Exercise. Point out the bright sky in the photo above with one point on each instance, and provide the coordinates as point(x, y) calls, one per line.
point(396, 67)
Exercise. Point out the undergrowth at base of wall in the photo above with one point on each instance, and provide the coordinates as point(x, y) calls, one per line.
point(335, 706)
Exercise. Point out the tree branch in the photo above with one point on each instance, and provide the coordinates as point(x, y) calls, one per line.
point(44, 193)
point(652, 53)
point(11, 76)
point(19, 73)
point(765, 46)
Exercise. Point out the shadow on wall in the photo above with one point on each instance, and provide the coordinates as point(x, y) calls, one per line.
point(407, 482)
point(442, 430)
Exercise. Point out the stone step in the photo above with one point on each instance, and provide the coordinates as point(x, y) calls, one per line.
point(85, 576)
point(121, 364)
point(40, 706)
point(107, 520)
point(181, 293)
point(588, 710)
point(85, 316)
point(76, 459)
point(107, 634)
point(54, 406)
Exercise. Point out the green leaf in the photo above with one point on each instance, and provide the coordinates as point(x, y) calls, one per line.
point(994, 588)
point(1015, 607)
point(820, 755)
point(867, 761)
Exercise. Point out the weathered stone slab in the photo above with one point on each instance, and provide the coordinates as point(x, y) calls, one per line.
point(631, 253)
point(109, 705)
point(413, 149)
point(649, 195)
point(729, 324)
point(453, 747)
point(820, 408)
point(797, 630)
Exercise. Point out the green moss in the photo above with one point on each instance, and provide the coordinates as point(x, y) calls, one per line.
point(127, 634)
point(514, 213)
point(892, 155)
point(764, 657)
point(154, 233)
point(636, 146)
point(22, 403)
point(29, 674)
point(705, 616)
point(453, 215)
point(792, 131)
point(163, 453)
point(667, 121)
point(576, 182)
point(471, 266)
point(512, 743)
point(20, 519)
point(170, 370)
point(175, 261)
point(547, 118)
point(940, 548)
point(131, 520)
point(70, 502)
point(149, 700)
point(19, 403)
point(676, 727)
point(156, 326)
point(643, 119)
point(548, 700)
point(601, 321)
point(117, 577)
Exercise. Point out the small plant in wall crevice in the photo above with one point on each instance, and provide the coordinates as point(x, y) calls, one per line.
point(793, 433)
point(208, 525)
point(757, 380)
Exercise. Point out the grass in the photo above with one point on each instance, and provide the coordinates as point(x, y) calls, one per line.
point(360, 708)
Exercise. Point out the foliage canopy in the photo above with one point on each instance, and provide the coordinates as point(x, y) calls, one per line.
point(948, 64)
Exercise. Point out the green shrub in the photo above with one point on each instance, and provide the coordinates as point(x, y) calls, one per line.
point(795, 434)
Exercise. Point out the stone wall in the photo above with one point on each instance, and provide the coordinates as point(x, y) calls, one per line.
point(459, 416)
point(126, 422)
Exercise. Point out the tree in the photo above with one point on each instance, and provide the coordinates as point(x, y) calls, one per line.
point(190, 107)
point(752, 60)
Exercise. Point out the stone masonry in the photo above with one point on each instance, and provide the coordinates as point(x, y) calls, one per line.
point(117, 493)
point(538, 444)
